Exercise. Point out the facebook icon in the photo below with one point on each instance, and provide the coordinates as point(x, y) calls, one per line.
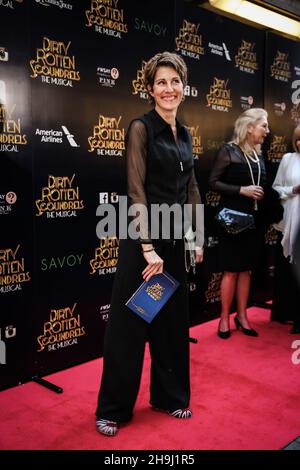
point(103, 198)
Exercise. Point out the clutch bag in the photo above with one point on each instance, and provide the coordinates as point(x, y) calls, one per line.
point(235, 222)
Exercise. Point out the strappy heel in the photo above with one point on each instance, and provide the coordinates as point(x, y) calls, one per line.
point(181, 413)
point(106, 427)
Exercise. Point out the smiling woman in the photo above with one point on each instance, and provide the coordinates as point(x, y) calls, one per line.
point(159, 161)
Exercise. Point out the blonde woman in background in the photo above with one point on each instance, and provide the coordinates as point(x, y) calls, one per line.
point(238, 174)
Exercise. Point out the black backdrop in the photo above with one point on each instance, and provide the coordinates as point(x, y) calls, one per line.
point(70, 83)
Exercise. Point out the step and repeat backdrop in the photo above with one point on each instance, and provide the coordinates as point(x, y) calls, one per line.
point(70, 83)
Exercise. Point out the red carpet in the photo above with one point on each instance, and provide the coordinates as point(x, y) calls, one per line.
point(245, 396)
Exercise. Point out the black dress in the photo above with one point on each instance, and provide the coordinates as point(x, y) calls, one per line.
point(237, 253)
point(159, 170)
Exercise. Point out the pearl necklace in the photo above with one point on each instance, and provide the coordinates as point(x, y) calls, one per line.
point(254, 159)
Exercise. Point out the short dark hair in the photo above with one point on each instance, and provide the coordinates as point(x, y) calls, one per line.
point(169, 59)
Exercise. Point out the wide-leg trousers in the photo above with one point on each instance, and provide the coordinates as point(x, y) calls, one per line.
point(127, 333)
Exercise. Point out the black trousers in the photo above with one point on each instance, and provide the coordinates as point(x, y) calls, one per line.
point(126, 335)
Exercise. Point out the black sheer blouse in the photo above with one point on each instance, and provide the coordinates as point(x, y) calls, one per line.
point(159, 169)
point(230, 171)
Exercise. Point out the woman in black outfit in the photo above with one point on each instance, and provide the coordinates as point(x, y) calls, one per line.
point(160, 170)
point(238, 175)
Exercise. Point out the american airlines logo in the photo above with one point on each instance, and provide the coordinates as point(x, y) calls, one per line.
point(53, 136)
point(220, 50)
point(56, 3)
point(70, 137)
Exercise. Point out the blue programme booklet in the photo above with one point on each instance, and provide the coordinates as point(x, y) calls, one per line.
point(152, 295)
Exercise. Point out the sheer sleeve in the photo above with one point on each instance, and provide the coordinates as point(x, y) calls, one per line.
point(136, 154)
point(194, 197)
point(221, 163)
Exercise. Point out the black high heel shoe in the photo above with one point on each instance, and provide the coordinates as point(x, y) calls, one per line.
point(223, 334)
point(246, 331)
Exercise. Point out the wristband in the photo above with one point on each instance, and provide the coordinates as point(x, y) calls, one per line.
point(147, 251)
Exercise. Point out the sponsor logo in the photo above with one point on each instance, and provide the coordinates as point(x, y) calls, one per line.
point(11, 136)
point(13, 271)
point(107, 18)
point(220, 50)
point(61, 262)
point(63, 329)
point(6, 202)
point(55, 3)
point(245, 59)
point(218, 97)
point(295, 114)
point(212, 198)
point(246, 102)
point(151, 28)
point(106, 256)
point(280, 68)
point(108, 138)
point(54, 64)
point(188, 41)
point(213, 293)
point(271, 236)
point(196, 141)
point(138, 84)
point(108, 76)
point(70, 137)
point(3, 54)
point(104, 312)
point(52, 136)
point(60, 198)
point(279, 108)
point(277, 148)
